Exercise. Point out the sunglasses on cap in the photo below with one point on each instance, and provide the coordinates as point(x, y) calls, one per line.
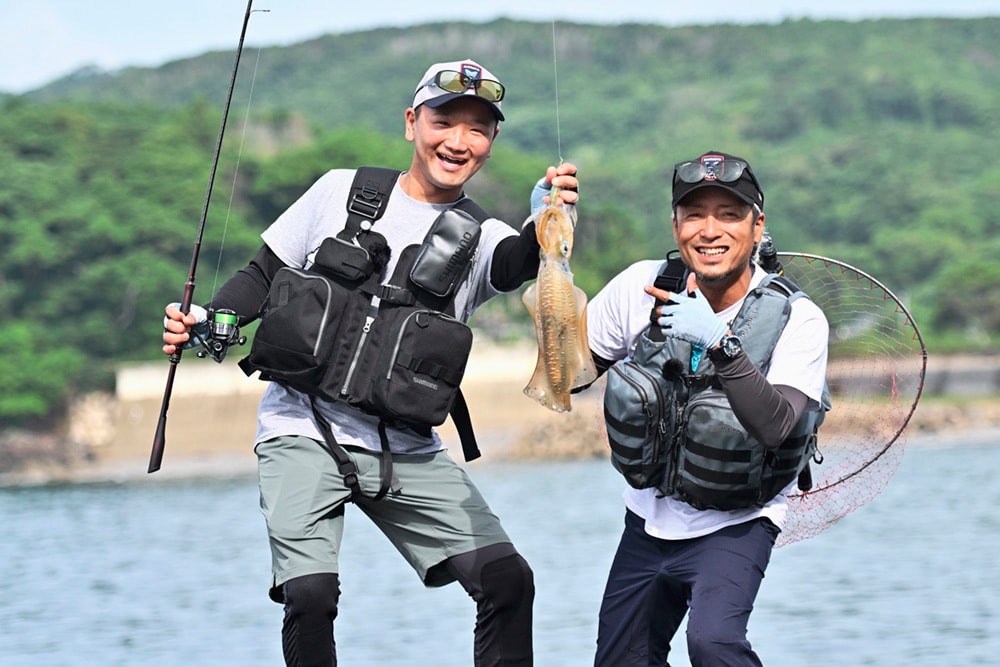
point(723, 170)
point(457, 82)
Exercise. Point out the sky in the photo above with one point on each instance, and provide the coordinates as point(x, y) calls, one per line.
point(43, 40)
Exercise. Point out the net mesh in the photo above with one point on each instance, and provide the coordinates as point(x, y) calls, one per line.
point(877, 362)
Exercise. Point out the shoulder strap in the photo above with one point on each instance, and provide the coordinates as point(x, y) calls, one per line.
point(763, 317)
point(459, 412)
point(672, 278)
point(472, 208)
point(673, 274)
point(462, 420)
point(783, 285)
point(369, 194)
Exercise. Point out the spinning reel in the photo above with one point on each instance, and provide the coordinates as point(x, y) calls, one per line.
point(223, 332)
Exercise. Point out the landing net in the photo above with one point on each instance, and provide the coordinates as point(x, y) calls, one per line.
point(877, 363)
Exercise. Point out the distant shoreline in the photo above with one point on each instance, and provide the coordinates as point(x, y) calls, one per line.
point(212, 420)
point(937, 422)
point(241, 465)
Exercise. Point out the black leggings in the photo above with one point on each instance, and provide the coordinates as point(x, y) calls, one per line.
point(496, 577)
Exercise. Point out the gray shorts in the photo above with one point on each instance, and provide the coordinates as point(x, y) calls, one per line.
point(435, 513)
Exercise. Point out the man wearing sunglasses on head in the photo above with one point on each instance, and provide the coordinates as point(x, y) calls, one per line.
point(424, 251)
point(748, 364)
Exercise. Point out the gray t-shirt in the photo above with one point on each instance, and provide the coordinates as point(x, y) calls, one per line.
point(318, 214)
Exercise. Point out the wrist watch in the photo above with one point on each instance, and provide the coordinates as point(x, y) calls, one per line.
point(728, 348)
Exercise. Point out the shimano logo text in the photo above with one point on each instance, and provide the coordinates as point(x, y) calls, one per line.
point(426, 383)
point(460, 252)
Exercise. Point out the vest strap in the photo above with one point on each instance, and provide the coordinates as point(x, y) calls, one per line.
point(369, 196)
point(463, 424)
point(393, 294)
point(344, 462)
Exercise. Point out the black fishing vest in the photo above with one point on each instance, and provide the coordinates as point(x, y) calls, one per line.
point(404, 363)
point(672, 428)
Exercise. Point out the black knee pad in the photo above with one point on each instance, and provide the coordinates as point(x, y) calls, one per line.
point(310, 607)
point(313, 594)
point(503, 621)
point(508, 581)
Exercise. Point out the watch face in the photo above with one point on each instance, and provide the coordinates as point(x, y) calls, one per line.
point(728, 348)
point(732, 346)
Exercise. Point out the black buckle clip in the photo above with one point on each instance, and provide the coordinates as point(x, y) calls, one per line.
point(365, 203)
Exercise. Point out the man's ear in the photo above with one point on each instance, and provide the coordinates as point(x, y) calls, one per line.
point(758, 228)
point(409, 122)
point(496, 131)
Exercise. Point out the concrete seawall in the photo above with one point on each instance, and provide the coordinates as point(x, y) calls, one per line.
point(213, 406)
point(212, 416)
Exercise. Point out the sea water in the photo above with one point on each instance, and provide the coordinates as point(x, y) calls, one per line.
point(175, 572)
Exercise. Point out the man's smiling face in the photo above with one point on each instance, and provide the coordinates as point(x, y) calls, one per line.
point(715, 232)
point(450, 144)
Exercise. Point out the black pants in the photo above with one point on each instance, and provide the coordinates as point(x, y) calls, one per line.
point(654, 583)
point(496, 577)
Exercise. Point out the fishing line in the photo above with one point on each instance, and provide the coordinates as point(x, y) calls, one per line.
point(159, 438)
point(236, 170)
point(239, 157)
point(555, 76)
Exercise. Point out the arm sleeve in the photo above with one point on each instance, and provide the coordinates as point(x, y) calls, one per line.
point(601, 363)
point(247, 290)
point(602, 366)
point(768, 412)
point(515, 260)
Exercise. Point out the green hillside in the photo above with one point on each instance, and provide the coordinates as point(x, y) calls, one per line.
point(874, 142)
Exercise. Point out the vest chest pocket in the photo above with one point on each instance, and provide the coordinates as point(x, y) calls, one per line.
point(640, 419)
point(417, 358)
point(719, 466)
point(295, 342)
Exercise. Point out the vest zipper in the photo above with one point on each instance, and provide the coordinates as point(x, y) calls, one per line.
point(399, 341)
point(357, 354)
point(326, 316)
point(305, 275)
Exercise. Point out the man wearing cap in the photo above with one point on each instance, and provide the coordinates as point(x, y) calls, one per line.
point(674, 558)
point(432, 512)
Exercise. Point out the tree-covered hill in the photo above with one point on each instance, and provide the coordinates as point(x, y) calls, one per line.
point(874, 142)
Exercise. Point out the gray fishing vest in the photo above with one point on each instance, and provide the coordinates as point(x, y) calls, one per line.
point(673, 429)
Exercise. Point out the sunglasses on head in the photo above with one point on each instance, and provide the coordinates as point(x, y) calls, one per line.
point(456, 82)
point(726, 171)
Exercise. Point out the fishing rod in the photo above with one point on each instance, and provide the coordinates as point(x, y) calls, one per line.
point(159, 439)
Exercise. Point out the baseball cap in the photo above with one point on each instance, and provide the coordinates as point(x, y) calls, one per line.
point(719, 170)
point(444, 82)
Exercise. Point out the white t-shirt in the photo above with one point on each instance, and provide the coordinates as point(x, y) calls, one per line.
point(616, 317)
point(318, 214)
